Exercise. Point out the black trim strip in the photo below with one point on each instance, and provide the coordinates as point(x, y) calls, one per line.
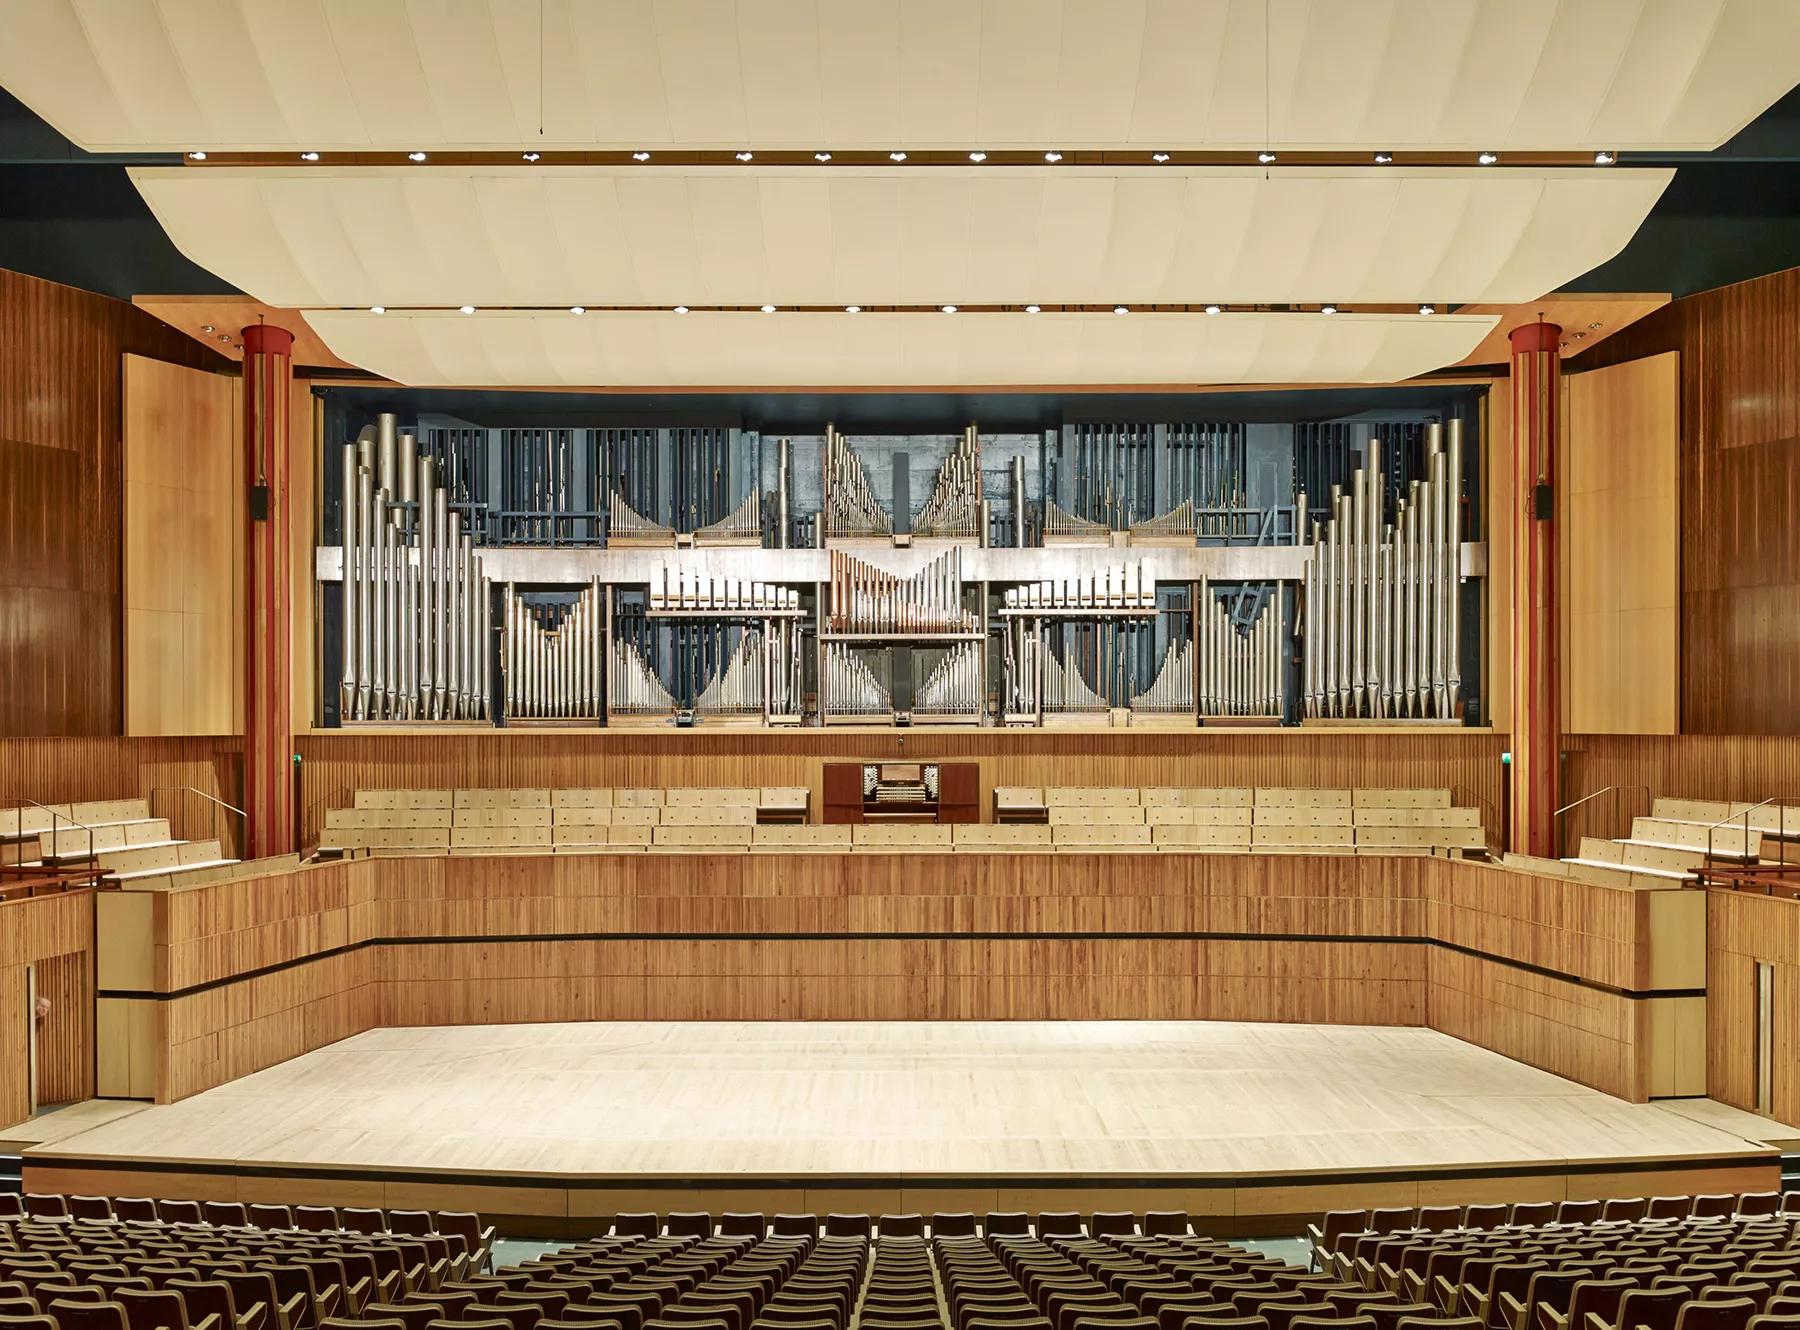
point(1350, 939)
point(655, 1182)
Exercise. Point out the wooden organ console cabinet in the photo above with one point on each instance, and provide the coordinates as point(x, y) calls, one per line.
point(902, 792)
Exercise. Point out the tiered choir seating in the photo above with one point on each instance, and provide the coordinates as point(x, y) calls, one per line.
point(1679, 839)
point(1267, 819)
point(116, 837)
point(502, 821)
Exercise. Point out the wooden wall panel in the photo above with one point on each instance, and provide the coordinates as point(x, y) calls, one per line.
point(338, 762)
point(1618, 549)
point(33, 931)
point(1741, 930)
point(184, 551)
point(326, 950)
point(61, 504)
point(1740, 489)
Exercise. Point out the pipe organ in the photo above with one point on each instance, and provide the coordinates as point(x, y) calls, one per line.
point(415, 608)
point(1112, 574)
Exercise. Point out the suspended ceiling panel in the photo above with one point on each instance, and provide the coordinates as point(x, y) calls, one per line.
point(715, 236)
point(120, 75)
point(784, 350)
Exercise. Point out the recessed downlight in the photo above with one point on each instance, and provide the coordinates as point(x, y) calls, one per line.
point(853, 309)
point(896, 156)
point(948, 309)
point(1266, 157)
point(821, 156)
point(746, 156)
point(1328, 309)
point(309, 156)
point(1215, 309)
point(531, 156)
point(196, 156)
point(681, 309)
point(978, 156)
point(1488, 158)
point(415, 156)
point(1605, 158)
point(640, 156)
point(1033, 309)
point(207, 328)
point(1428, 309)
point(1159, 157)
point(1053, 156)
point(1121, 309)
point(768, 309)
point(578, 309)
point(468, 309)
point(1384, 159)
point(378, 309)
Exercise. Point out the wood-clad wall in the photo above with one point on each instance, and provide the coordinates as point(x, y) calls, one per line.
point(1619, 549)
point(1743, 929)
point(61, 500)
point(184, 551)
point(1740, 489)
point(234, 976)
point(1688, 766)
point(337, 763)
point(51, 934)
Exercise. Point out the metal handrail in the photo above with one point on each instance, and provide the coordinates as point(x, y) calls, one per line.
point(211, 799)
point(1457, 793)
point(1779, 800)
point(56, 817)
point(1557, 816)
point(313, 806)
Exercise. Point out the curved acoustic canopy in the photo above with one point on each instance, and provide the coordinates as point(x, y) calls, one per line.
point(652, 349)
point(120, 75)
point(715, 236)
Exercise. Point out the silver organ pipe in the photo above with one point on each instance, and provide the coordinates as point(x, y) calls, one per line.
point(1381, 623)
point(867, 599)
point(954, 505)
point(847, 686)
point(1172, 691)
point(956, 686)
point(737, 689)
point(851, 508)
point(412, 587)
point(632, 687)
point(1063, 690)
point(741, 526)
point(1240, 671)
point(551, 661)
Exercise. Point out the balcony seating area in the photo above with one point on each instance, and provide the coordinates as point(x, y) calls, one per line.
point(113, 841)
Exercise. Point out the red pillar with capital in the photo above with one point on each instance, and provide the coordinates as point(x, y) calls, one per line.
point(268, 714)
point(1536, 714)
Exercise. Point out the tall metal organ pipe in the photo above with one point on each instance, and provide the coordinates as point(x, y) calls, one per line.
point(416, 606)
point(1382, 632)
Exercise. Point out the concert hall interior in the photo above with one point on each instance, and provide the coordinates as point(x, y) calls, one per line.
point(900, 665)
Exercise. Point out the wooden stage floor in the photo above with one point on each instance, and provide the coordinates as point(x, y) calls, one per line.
point(559, 1126)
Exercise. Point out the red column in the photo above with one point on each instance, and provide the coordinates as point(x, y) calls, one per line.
point(1536, 720)
point(268, 724)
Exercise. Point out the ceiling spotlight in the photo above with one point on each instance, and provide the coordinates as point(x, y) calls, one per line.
point(415, 156)
point(1384, 159)
point(1121, 309)
point(853, 309)
point(1266, 157)
point(468, 309)
point(1488, 158)
point(1328, 309)
point(1593, 327)
point(207, 327)
point(1053, 156)
point(309, 156)
point(196, 156)
point(681, 309)
point(1428, 309)
point(378, 309)
point(531, 156)
point(896, 156)
point(578, 309)
point(1604, 158)
point(1159, 157)
point(1215, 309)
point(768, 309)
point(640, 156)
point(745, 156)
point(948, 309)
point(978, 156)
point(224, 337)
point(1033, 309)
point(821, 156)
point(1581, 337)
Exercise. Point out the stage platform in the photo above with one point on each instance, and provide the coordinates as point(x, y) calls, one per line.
point(553, 1128)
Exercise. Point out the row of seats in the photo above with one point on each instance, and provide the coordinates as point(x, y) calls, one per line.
point(122, 1274)
point(1679, 839)
point(1250, 818)
point(473, 821)
point(118, 838)
point(475, 1238)
point(1591, 1268)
